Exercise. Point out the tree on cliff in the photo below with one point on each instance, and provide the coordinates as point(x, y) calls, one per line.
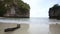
point(23, 6)
point(6, 5)
point(56, 6)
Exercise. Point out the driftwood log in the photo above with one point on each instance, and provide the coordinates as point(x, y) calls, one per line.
point(12, 29)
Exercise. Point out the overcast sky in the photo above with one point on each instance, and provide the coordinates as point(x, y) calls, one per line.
point(40, 8)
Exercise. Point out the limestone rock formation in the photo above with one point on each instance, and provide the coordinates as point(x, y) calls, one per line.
point(54, 12)
point(14, 8)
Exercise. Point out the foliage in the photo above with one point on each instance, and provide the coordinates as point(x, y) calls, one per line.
point(56, 6)
point(2, 8)
point(23, 5)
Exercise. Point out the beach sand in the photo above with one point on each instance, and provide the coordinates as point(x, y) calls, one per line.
point(22, 30)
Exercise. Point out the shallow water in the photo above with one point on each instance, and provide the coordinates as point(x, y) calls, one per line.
point(29, 20)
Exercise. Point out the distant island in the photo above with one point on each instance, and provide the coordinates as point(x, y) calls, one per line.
point(54, 12)
point(14, 8)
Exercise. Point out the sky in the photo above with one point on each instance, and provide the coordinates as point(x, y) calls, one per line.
point(40, 8)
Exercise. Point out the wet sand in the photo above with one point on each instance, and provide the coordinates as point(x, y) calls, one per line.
point(22, 30)
point(31, 28)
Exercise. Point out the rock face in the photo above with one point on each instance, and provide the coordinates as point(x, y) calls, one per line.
point(15, 8)
point(54, 12)
point(13, 12)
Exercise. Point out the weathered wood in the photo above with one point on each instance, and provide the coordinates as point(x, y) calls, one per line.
point(12, 29)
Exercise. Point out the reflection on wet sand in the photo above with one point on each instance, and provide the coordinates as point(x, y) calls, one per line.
point(54, 28)
point(42, 28)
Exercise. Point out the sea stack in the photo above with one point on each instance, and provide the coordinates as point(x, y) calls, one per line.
point(54, 12)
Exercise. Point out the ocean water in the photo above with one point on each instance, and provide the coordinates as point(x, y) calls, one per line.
point(29, 20)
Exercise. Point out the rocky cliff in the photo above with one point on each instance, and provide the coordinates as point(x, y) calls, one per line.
point(14, 8)
point(54, 12)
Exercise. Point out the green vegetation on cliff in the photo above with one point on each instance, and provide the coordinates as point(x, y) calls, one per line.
point(2, 8)
point(6, 5)
point(56, 6)
point(23, 6)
